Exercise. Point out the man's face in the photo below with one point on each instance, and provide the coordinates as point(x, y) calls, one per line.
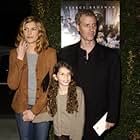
point(87, 27)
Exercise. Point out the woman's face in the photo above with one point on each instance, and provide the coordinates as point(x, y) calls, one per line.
point(31, 32)
point(63, 76)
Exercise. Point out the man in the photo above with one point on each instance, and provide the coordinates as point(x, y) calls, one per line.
point(97, 70)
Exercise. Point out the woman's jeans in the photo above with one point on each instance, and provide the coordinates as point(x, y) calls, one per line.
point(32, 131)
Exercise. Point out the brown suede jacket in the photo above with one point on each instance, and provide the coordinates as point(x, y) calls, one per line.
point(18, 79)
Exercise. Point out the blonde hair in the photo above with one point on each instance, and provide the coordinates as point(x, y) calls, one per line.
point(42, 41)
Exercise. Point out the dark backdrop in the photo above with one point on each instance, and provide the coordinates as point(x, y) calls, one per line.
point(11, 14)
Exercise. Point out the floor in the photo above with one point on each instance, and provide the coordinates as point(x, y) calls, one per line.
point(8, 130)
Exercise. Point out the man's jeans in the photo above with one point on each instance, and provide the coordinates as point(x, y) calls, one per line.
point(32, 131)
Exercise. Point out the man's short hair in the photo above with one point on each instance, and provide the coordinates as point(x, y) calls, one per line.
point(86, 12)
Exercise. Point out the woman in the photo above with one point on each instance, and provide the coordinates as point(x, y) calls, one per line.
point(29, 63)
point(65, 105)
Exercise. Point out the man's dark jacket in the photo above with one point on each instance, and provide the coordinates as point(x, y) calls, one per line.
point(100, 80)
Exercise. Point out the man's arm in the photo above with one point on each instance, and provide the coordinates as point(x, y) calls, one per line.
point(114, 88)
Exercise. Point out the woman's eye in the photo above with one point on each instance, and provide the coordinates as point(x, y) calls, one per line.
point(34, 29)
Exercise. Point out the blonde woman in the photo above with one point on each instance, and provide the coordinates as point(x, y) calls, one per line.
point(29, 63)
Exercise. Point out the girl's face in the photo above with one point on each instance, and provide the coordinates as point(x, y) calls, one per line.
point(31, 32)
point(63, 76)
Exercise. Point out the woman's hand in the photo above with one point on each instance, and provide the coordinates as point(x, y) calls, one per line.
point(28, 115)
point(21, 50)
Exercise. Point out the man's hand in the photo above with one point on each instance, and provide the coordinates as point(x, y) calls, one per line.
point(109, 125)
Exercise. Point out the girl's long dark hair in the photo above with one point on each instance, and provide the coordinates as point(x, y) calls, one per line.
point(72, 103)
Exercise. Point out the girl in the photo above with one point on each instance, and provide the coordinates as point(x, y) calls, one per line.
point(65, 104)
point(28, 65)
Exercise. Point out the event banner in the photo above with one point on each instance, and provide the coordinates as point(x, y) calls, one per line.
point(108, 17)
